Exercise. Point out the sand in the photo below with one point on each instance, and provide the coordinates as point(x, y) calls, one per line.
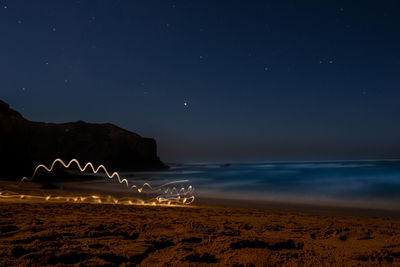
point(104, 234)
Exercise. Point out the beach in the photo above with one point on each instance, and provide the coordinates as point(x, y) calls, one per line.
point(199, 133)
point(99, 221)
point(45, 233)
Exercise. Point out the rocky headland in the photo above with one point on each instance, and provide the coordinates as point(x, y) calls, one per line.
point(24, 144)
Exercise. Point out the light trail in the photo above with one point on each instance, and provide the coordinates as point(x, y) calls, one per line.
point(168, 194)
point(93, 199)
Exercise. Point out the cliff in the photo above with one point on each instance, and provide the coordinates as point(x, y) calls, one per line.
point(25, 144)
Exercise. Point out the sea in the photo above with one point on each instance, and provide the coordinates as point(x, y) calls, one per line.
point(366, 183)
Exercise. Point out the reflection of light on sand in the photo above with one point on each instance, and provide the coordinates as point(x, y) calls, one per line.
point(167, 193)
point(93, 199)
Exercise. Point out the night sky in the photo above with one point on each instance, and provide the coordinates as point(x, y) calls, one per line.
point(213, 80)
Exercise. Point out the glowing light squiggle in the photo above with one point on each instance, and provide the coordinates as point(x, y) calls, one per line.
point(170, 195)
point(91, 199)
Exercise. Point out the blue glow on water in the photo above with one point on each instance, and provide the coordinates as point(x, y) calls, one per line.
point(375, 183)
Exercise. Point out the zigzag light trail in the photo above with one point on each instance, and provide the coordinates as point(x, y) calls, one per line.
point(172, 195)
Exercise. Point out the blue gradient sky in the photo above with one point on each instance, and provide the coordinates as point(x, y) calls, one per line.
point(262, 80)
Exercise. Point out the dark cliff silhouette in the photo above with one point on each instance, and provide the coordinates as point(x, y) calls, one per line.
point(25, 144)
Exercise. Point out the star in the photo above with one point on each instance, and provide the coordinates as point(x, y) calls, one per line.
point(185, 104)
point(266, 69)
point(19, 21)
point(5, 6)
point(201, 57)
point(54, 29)
point(23, 88)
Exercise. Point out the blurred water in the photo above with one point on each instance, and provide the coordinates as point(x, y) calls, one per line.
point(354, 183)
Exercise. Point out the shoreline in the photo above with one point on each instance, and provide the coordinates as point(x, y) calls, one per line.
point(209, 202)
point(211, 231)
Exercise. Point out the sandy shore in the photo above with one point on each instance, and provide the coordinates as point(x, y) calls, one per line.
point(41, 231)
point(104, 234)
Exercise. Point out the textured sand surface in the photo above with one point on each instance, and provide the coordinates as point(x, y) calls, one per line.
point(96, 234)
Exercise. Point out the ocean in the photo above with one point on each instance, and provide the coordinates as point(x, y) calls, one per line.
point(371, 184)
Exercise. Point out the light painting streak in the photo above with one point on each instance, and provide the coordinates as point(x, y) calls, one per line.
point(169, 195)
point(13, 196)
